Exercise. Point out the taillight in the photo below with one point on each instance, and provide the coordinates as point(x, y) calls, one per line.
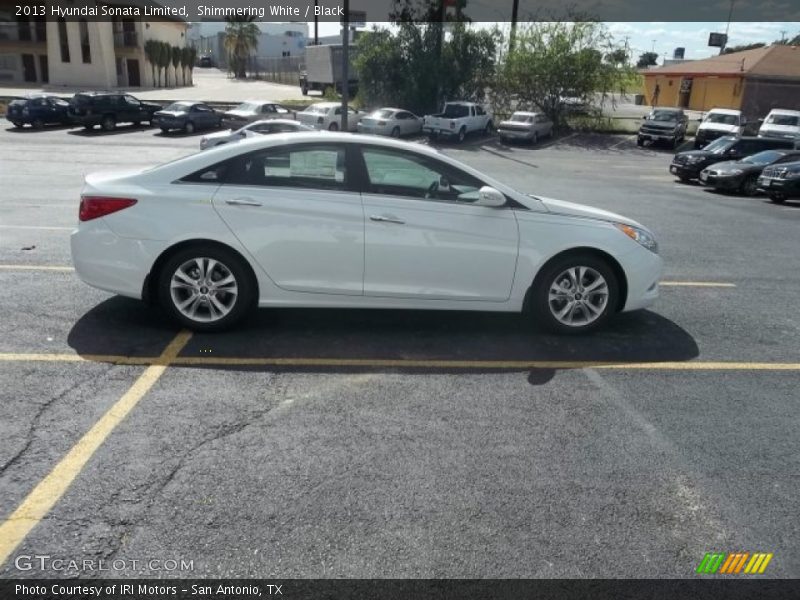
point(93, 207)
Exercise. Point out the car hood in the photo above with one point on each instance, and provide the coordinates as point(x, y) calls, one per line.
point(562, 207)
point(718, 127)
point(220, 134)
point(787, 129)
point(730, 165)
point(171, 113)
point(690, 153)
point(660, 124)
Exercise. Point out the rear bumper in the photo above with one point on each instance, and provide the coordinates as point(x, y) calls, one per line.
point(789, 187)
point(109, 262)
point(684, 171)
point(515, 135)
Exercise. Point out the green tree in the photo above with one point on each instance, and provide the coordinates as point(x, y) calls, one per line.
point(164, 59)
point(175, 58)
point(241, 40)
point(186, 60)
point(413, 67)
point(551, 61)
point(743, 47)
point(150, 53)
point(647, 59)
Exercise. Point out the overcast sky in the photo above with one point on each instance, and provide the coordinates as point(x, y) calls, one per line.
point(670, 35)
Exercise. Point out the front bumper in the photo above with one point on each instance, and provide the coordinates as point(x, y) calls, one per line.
point(657, 137)
point(789, 187)
point(170, 122)
point(685, 171)
point(643, 270)
point(731, 182)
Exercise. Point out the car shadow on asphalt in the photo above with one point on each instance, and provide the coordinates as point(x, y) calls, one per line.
point(178, 133)
point(118, 325)
point(97, 132)
point(29, 129)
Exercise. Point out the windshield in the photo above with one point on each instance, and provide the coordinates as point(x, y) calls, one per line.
point(764, 158)
point(719, 146)
point(248, 107)
point(382, 114)
point(177, 107)
point(519, 118)
point(722, 119)
point(789, 120)
point(664, 115)
point(455, 111)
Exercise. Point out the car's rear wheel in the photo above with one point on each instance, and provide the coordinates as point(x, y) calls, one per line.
point(749, 186)
point(489, 128)
point(108, 123)
point(17, 124)
point(777, 198)
point(535, 138)
point(462, 134)
point(206, 289)
point(189, 127)
point(165, 130)
point(38, 124)
point(575, 294)
point(333, 127)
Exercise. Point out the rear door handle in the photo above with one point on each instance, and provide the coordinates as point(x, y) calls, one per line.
point(242, 202)
point(386, 219)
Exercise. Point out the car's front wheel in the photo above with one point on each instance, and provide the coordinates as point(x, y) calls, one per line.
point(575, 294)
point(206, 289)
point(189, 127)
point(777, 198)
point(749, 186)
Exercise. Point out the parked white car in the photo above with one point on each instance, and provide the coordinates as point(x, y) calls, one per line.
point(258, 128)
point(781, 123)
point(328, 115)
point(458, 119)
point(254, 110)
point(390, 121)
point(718, 122)
point(353, 221)
point(525, 126)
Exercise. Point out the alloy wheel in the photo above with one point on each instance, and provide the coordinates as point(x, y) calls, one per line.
point(578, 296)
point(204, 289)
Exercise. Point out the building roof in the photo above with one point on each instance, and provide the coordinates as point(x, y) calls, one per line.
point(778, 60)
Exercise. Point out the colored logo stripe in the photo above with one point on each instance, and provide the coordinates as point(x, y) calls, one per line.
point(733, 563)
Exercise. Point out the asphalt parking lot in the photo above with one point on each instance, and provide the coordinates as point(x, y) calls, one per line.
point(324, 443)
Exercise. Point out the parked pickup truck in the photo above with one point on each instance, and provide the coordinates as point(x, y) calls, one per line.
point(457, 120)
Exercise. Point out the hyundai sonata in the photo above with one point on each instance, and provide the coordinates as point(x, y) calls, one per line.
point(353, 221)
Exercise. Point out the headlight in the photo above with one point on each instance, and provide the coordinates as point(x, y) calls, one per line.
point(645, 238)
point(732, 172)
point(693, 159)
point(792, 175)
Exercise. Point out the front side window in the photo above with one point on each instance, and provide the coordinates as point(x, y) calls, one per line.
point(131, 101)
point(315, 167)
point(398, 173)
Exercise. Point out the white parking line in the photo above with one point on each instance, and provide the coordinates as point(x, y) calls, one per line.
point(627, 139)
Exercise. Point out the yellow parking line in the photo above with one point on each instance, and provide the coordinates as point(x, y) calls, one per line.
point(50, 489)
point(233, 361)
point(696, 284)
point(34, 268)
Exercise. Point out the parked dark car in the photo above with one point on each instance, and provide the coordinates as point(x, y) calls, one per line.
point(187, 116)
point(663, 125)
point(108, 109)
point(781, 182)
point(205, 62)
point(742, 175)
point(38, 110)
point(688, 165)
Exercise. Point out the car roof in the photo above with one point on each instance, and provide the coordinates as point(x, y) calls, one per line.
point(725, 111)
point(278, 121)
point(784, 111)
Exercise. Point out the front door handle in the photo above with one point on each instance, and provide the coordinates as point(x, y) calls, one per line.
point(386, 219)
point(242, 202)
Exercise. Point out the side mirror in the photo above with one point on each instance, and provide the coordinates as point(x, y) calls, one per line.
point(644, 118)
point(488, 196)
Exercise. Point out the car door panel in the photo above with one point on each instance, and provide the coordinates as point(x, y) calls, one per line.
point(305, 240)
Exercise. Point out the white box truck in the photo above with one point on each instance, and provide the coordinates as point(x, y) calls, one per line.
point(323, 70)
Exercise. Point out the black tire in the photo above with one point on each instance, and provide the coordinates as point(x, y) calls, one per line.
point(304, 90)
point(17, 124)
point(396, 132)
point(242, 304)
point(777, 198)
point(38, 124)
point(462, 134)
point(189, 127)
point(543, 312)
point(333, 127)
point(136, 123)
point(639, 142)
point(684, 179)
point(89, 127)
point(109, 123)
point(165, 130)
point(749, 186)
point(535, 138)
point(489, 128)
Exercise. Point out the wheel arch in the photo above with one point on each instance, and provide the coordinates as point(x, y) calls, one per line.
point(149, 290)
point(619, 273)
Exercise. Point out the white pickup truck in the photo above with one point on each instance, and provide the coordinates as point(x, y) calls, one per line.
point(457, 120)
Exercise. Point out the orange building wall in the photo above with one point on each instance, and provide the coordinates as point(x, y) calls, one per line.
point(707, 91)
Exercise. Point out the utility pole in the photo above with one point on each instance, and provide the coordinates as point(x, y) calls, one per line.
point(316, 23)
point(345, 61)
point(514, 15)
point(727, 28)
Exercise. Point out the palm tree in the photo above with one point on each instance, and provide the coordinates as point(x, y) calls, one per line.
point(164, 59)
point(241, 39)
point(175, 55)
point(186, 57)
point(192, 59)
point(150, 50)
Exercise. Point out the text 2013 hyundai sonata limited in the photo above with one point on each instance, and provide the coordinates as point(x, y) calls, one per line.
point(342, 220)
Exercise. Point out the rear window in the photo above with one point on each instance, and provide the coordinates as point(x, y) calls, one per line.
point(18, 102)
point(518, 118)
point(455, 111)
point(382, 114)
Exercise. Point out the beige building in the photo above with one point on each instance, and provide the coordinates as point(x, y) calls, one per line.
point(81, 53)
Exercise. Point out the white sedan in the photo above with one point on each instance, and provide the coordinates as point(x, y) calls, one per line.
point(353, 221)
point(264, 127)
point(328, 115)
point(390, 121)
